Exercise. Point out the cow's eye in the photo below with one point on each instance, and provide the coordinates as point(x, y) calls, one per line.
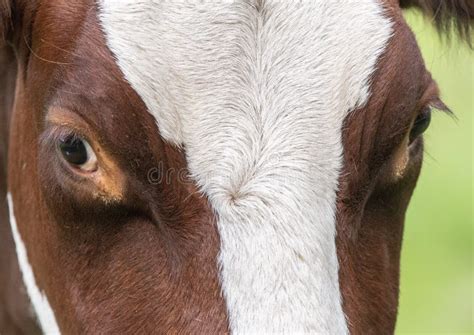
point(78, 153)
point(422, 122)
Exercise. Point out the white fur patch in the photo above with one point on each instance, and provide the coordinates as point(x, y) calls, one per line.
point(256, 92)
point(38, 299)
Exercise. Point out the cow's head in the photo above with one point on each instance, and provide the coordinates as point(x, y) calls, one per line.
point(184, 166)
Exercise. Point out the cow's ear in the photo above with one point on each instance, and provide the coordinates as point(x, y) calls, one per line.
point(448, 15)
point(5, 20)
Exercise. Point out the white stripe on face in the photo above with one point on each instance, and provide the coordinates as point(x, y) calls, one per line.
point(38, 299)
point(257, 95)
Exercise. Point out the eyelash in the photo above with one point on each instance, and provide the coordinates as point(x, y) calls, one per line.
point(57, 134)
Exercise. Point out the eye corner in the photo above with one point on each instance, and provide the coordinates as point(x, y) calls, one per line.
point(421, 123)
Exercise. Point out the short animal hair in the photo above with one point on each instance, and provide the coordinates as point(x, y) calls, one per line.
point(5, 19)
point(447, 15)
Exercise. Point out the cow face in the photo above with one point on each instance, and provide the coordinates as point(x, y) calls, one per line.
point(213, 167)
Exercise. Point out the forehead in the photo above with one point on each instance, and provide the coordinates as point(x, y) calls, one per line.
point(177, 49)
point(179, 54)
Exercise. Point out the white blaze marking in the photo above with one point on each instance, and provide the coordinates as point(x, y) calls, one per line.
point(258, 95)
point(38, 299)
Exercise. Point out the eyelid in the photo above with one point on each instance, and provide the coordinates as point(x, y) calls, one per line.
point(431, 98)
point(55, 133)
point(61, 123)
point(438, 104)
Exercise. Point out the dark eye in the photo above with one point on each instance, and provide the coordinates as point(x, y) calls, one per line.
point(78, 152)
point(422, 122)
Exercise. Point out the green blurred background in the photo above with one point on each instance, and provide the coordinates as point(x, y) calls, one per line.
point(437, 263)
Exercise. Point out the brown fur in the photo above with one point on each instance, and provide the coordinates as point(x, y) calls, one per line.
point(146, 264)
point(15, 316)
point(372, 199)
point(447, 15)
point(142, 257)
point(5, 20)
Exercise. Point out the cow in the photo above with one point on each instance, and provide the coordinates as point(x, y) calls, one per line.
point(209, 166)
